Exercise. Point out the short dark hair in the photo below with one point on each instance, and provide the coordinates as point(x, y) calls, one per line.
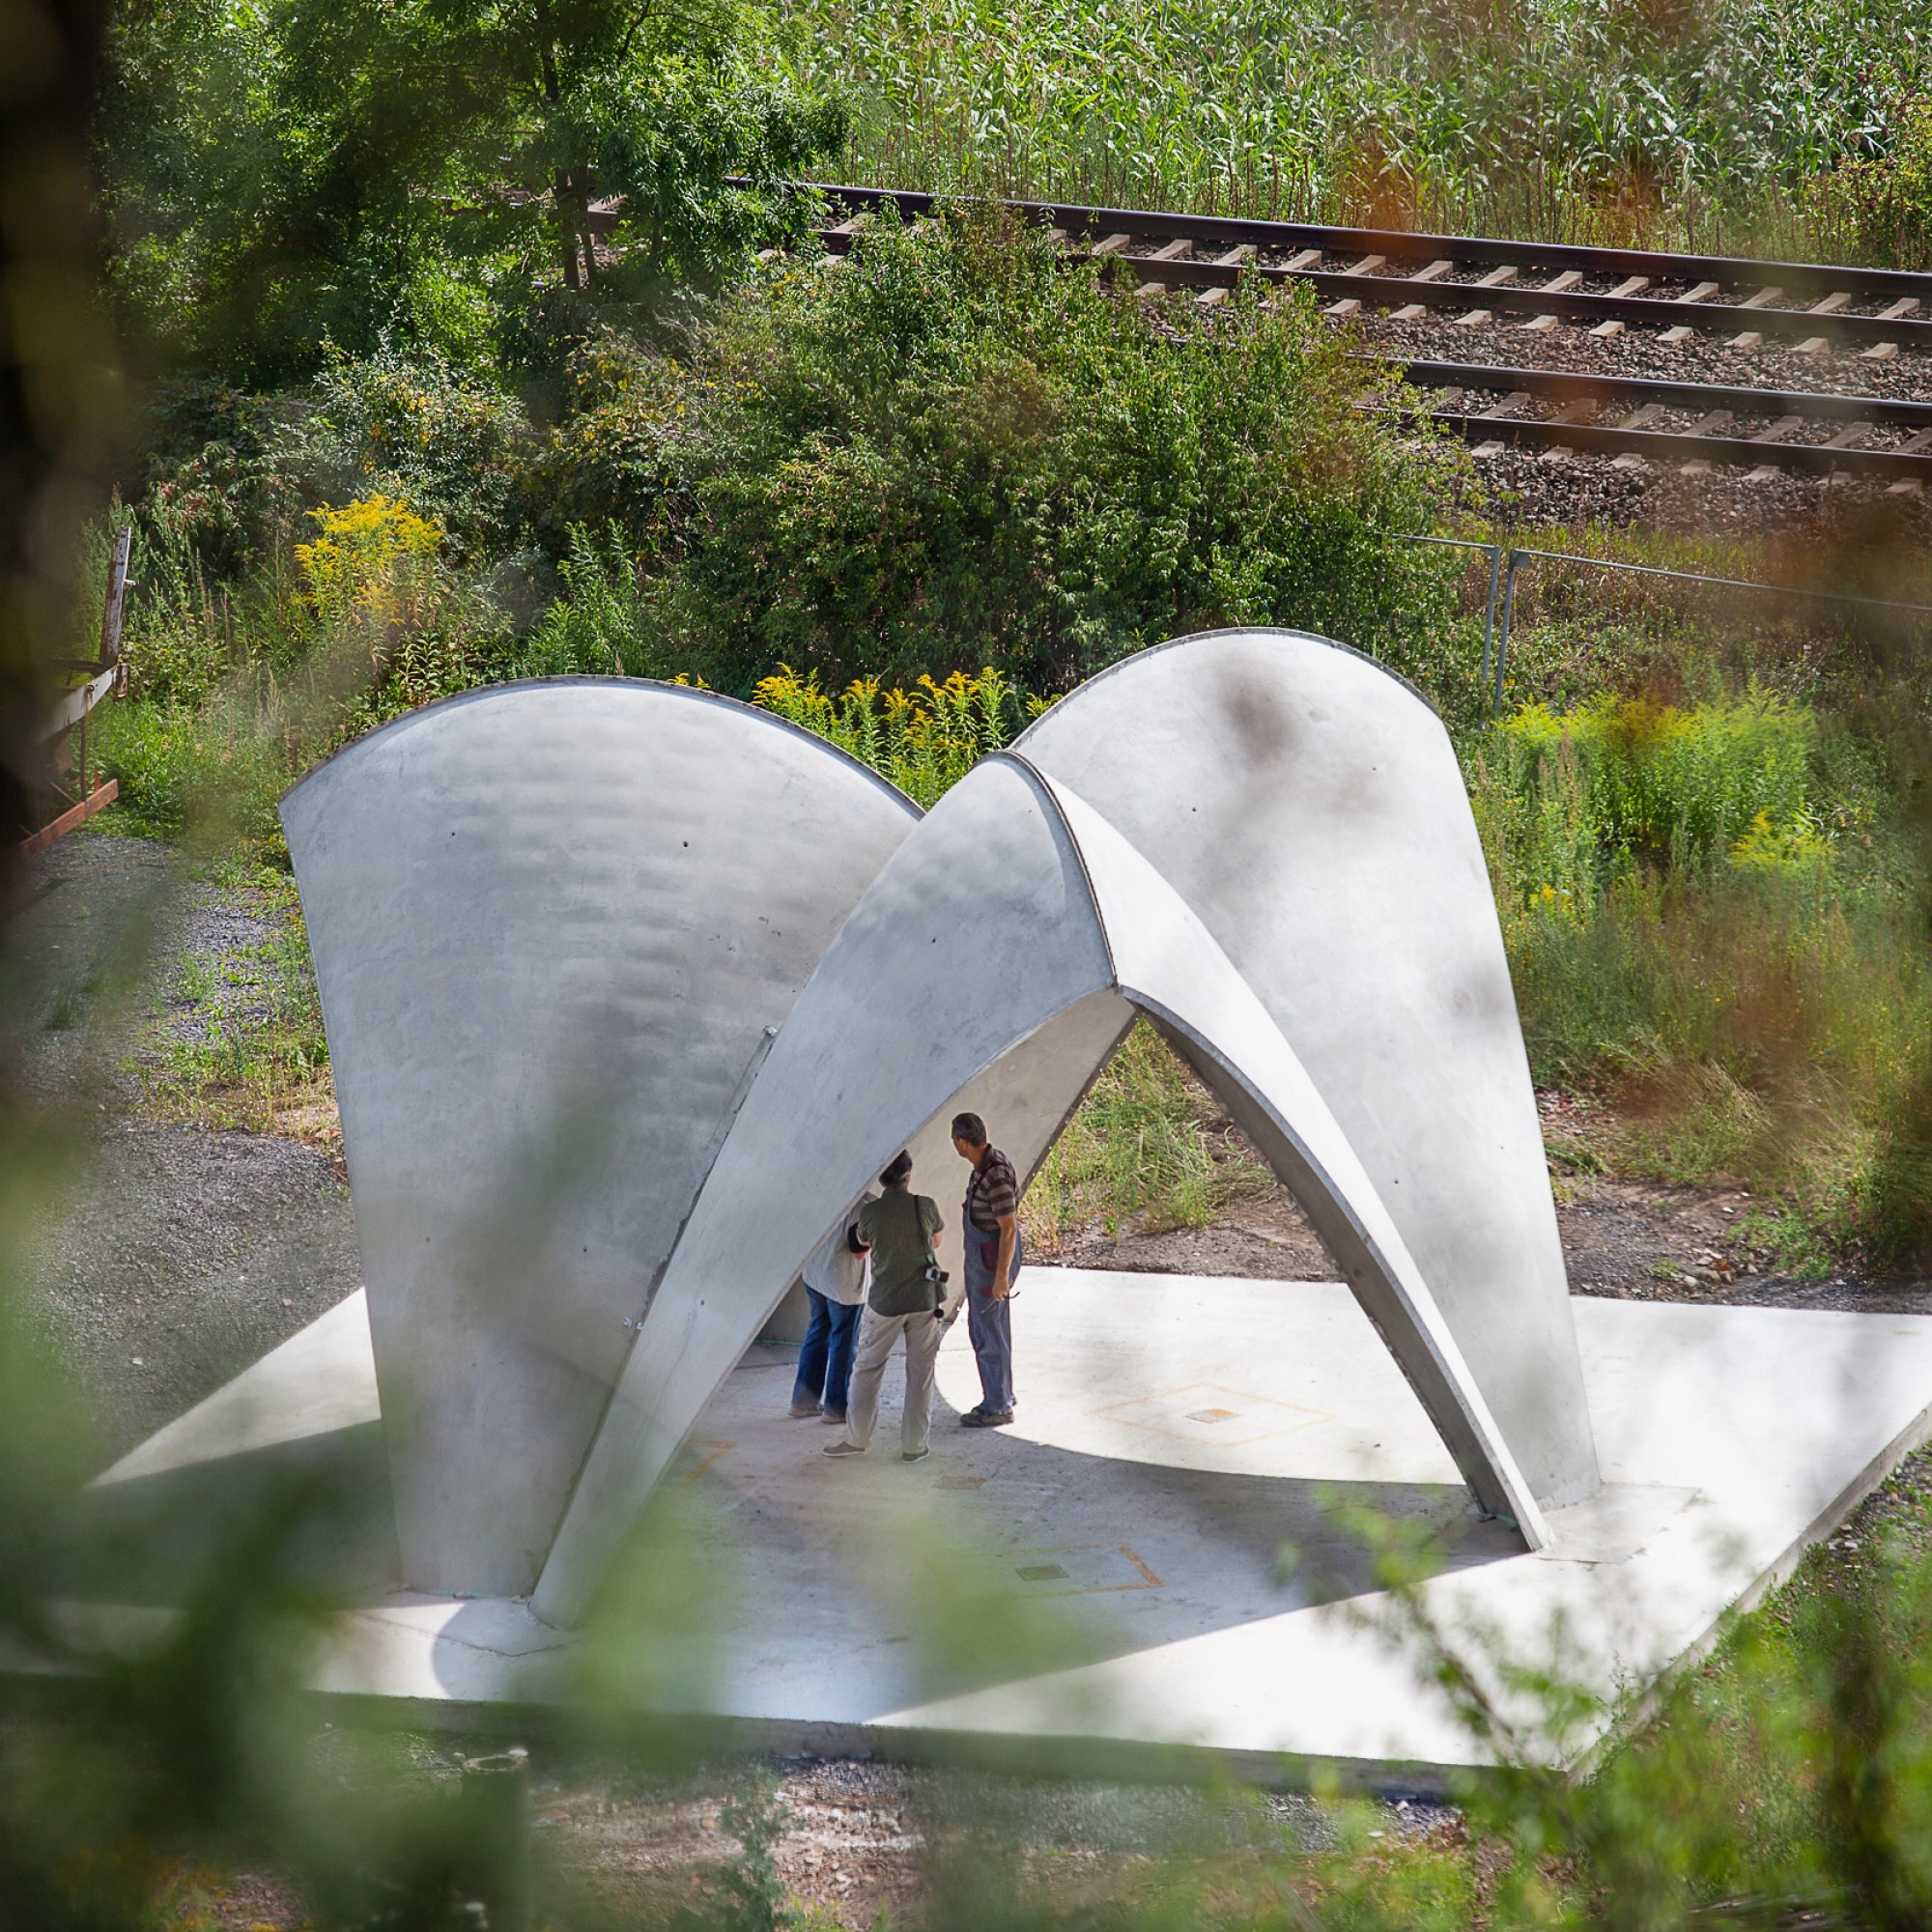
point(970, 1129)
point(898, 1171)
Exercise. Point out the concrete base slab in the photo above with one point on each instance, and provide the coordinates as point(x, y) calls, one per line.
point(1109, 1570)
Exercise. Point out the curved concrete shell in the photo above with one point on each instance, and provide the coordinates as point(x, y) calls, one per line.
point(1307, 805)
point(554, 926)
point(1016, 928)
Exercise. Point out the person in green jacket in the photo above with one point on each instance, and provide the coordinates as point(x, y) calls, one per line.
point(901, 1230)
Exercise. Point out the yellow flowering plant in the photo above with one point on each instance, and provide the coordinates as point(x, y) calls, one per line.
point(372, 563)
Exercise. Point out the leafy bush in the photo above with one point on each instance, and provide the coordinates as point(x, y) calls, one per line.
point(1881, 205)
point(949, 450)
point(602, 624)
point(416, 427)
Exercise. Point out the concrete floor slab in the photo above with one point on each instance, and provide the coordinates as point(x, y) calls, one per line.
point(1109, 1569)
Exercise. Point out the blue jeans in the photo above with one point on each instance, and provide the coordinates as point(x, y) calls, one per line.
point(989, 1324)
point(825, 1360)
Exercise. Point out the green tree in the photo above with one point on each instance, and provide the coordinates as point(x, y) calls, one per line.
point(300, 172)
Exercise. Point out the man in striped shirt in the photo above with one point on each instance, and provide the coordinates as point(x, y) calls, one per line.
point(990, 1227)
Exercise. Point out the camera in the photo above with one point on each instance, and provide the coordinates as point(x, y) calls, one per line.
point(936, 1273)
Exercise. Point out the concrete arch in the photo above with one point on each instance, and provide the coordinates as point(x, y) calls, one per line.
point(1054, 931)
point(555, 926)
point(1310, 810)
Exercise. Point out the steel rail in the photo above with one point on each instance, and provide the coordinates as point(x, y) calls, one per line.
point(1752, 313)
point(1796, 277)
point(1582, 384)
point(1913, 461)
point(1682, 446)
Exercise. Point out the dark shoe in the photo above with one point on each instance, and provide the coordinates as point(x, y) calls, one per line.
point(835, 1416)
point(913, 1455)
point(800, 1411)
point(987, 1418)
point(842, 1449)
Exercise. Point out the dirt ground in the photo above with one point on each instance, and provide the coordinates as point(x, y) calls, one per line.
point(177, 1255)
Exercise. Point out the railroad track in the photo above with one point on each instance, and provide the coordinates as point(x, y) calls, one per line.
point(1806, 308)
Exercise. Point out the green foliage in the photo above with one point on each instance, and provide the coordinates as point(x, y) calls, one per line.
point(1880, 204)
point(602, 624)
point(1655, 124)
point(924, 741)
point(946, 450)
point(285, 177)
point(1141, 1149)
point(1643, 778)
point(1697, 917)
point(419, 428)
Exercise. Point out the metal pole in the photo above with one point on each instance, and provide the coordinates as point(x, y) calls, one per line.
point(1503, 642)
point(496, 1814)
point(1489, 622)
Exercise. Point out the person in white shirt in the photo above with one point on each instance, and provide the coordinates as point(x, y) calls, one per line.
point(835, 1284)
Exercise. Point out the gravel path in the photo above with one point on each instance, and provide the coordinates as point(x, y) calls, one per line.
point(179, 1255)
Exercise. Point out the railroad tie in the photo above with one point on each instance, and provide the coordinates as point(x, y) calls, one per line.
point(1911, 486)
point(1171, 251)
point(1494, 279)
point(1762, 299)
point(1703, 292)
point(1642, 418)
point(1779, 430)
point(1237, 257)
point(1887, 352)
point(1409, 312)
point(1813, 345)
point(1297, 264)
point(1348, 305)
point(1848, 438)
point(1367, 265)
point(1633, 285)
point(1112, 244)
point(1577, 411)
point(1831, 306)
point(1435, 271)
point(1541, 324)
point(1508, 407)
point(1710, 424)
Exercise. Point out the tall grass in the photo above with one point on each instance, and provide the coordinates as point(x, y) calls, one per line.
point(1574, 119)
point(1686, 928)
